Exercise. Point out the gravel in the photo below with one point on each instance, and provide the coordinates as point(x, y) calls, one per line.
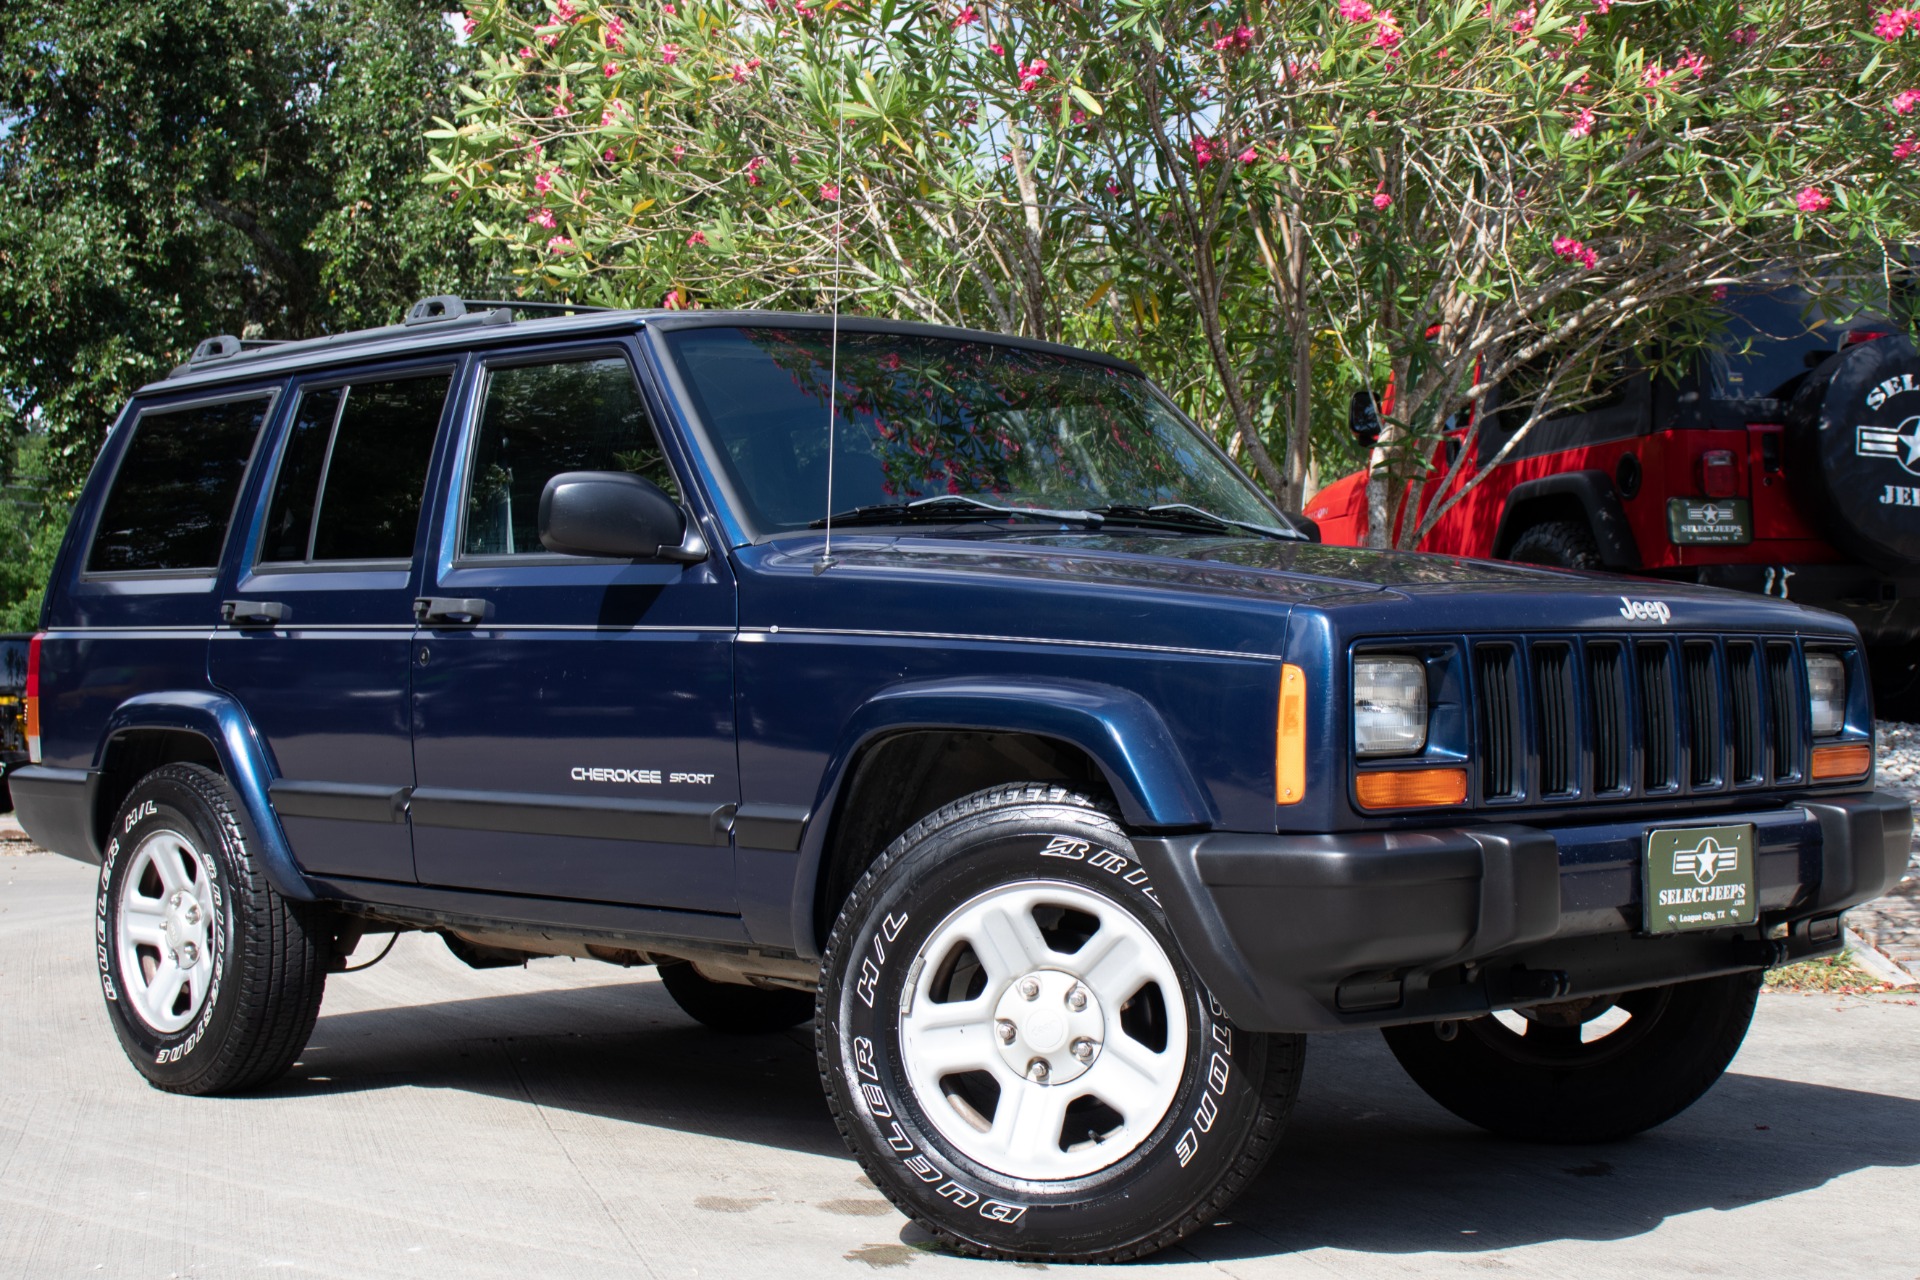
point(1892, 924)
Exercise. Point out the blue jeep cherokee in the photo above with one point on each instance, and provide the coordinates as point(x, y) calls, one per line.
point(1058, 777)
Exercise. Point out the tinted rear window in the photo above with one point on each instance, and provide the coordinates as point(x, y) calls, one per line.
point(173, 494)
point(355, 471)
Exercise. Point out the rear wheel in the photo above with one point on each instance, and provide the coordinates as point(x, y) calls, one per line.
point(213, 980)
point(1562, 544)
point(1588, 1070)
point(1015, 1049)
point(734, 1007)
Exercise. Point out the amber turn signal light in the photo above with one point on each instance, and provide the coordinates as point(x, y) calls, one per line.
point(1290, 744)
point(1411, 788)
point(1841, 760)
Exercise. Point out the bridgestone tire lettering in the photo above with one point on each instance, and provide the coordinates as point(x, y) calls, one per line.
point(1235, 1088)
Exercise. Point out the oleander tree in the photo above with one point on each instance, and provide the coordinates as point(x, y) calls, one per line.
point(1267, 203)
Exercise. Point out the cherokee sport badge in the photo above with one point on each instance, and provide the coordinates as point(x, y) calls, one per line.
point(1700, 878)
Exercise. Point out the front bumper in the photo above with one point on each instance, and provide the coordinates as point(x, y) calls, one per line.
point(1312, 933)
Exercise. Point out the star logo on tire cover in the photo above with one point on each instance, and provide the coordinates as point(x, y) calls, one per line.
point(1902, 443)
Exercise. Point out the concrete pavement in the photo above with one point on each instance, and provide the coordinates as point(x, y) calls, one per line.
point(567, 1120)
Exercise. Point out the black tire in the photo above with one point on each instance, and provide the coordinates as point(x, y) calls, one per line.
point(1677, 1042)
point(1895, 671)
point(733, 1007)
point(1849, 428)
point(1561, 544)
point(266, 959)
point(1230, 1090)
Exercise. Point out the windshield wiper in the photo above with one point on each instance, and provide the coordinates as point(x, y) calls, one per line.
point(953, 506)
point(1187, 516)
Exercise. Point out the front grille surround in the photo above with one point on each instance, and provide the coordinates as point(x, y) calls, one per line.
point(1572, 718)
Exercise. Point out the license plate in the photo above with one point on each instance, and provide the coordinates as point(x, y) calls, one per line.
point(1709, 522)
point(1700, 878)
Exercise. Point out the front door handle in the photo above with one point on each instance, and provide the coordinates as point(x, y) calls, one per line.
point(254, 613)
point(449, 611)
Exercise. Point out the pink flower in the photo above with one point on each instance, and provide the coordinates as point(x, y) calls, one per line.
point(1248, 156)
point(1812, 200)
point(1905, 101)
point(671, 300)
point(1746, 35)
point(560, 111)
point(997, 50)
point(1719, 293)
point(679, 151)
point(830, 191)
point(742, 71)
point(1079, 117)
point(1691, 62)
point(564, 12)
point(669, 10)
point(1578, 31)
point(467, 25)
point(607, 155)
point(543, 183)
point(1523, 21)
point(542, 218)
point(1356, 10)
point(669, 53)
point(697, 240)
point(1241, 37)
point(1905, 148)
point(615, 29)
point(1582, 124)
point(1386, 32)
point(966, 17)
point(1895, 23)
point(1382, 201)
point(1203, 152)
point(549, 40)
point(1601, 6)
point(559, 244)
point(526, 53)
point(1032, 74)
point(612, 69)
point(1568, 247)
point(1113, 188)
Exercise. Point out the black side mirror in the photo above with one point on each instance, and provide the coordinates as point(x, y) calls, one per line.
point(615, 513)
point(1363, 416)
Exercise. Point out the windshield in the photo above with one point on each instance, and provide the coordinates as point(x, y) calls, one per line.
point(923, 417)
point(1768, 338)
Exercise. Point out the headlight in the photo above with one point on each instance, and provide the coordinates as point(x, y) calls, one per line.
point(1826, 693)
point(1389, 705)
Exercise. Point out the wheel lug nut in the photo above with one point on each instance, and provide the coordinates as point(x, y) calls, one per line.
point(1083, 1050)
point(1007, 1031)
point(190, 954)
point(1030, 988)
point(1077, 999)
point(1037, 1071)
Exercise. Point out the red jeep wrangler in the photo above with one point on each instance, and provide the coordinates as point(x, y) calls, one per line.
point(1785, 460)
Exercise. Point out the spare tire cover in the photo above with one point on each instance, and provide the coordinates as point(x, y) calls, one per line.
point(1854, 437)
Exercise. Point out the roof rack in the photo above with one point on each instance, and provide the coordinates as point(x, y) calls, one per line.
point(438, 310)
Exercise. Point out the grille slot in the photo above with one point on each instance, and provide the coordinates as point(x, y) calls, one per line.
point(1558, 728)
point(1705, 727)
point(1612, 747)
point(1784, 709)
point(1500, 727)
point(1749, 742)
point(1658, 725)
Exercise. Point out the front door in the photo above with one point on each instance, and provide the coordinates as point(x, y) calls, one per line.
point(319, 623)
point(573, 719)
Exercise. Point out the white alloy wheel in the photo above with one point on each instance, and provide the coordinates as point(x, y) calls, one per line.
point(165, 929)
point(1043, 1030)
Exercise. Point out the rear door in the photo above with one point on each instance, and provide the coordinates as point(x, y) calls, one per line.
point(573, 717)
point(317, 642)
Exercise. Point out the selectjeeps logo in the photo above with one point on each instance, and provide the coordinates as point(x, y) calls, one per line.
point(1646, 610)
point(1901, 443)
point(1706, 860)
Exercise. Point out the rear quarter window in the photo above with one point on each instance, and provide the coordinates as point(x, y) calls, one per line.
point(174, 491)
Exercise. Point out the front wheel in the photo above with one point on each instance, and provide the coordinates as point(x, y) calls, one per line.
point(1015, 1049)
point(1589, 1070)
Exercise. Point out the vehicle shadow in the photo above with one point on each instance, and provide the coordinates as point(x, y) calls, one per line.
point(1368, 1163)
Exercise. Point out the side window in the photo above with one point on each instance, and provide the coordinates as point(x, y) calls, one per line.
point(355, 471)
point(173, 495)
point(541, 419)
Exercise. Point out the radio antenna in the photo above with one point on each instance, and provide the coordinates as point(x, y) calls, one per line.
point(833, 357)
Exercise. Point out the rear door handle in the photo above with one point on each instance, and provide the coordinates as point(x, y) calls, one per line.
point(254, 613)
point(449, 611)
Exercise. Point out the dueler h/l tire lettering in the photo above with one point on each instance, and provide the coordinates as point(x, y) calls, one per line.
point(1014, 1048)
point(212, 979)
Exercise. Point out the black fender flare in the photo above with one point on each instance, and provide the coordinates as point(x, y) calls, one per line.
point(1593, 491)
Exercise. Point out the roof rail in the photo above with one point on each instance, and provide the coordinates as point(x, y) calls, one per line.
point(445, 306)
point(218, 347)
